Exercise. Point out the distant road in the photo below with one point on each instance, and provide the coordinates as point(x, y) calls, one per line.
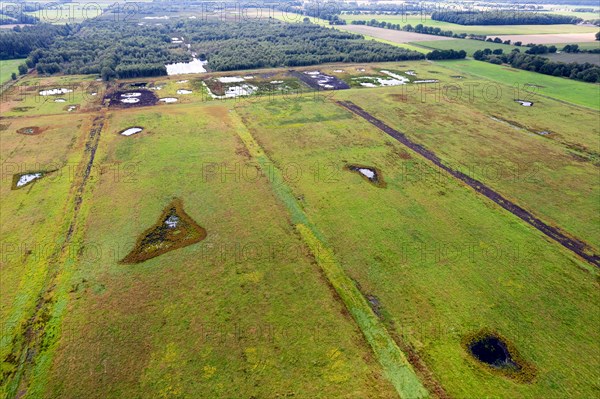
point(396, 36)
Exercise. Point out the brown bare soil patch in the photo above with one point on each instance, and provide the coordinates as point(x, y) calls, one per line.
point(174, 229)
point(393, 35)
point(370, 173)
point(30, 130)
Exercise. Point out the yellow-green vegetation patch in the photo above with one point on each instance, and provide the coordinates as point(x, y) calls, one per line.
point(8, 67)
point(442, 260)
point(232, 316)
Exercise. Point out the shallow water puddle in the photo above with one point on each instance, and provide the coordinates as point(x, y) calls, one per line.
point(498, 355)
point(491, 350)
point(525, 103)
point(182, 68)
point(168, 100)
point(30, 130)
point(174, 229)
point(131, 131)
point(373, 175)
point(184, 91)
point(21, 180)
point(55, 92)
point(60, 100)
point(231, 79)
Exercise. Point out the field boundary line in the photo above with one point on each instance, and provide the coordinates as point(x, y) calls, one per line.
point(573, 244)
point(42, 328)
point(393, 361)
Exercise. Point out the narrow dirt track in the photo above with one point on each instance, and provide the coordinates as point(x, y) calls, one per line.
point(26, 354)
point(575, 245)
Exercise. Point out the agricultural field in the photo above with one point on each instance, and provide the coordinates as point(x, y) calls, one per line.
point(395, 36)
point(578, 93)
point(470, 46)
point(428, 297)
point(288, 282)
point(488, 30)
point(552, 38)
point(7, 67)
point(196, 204)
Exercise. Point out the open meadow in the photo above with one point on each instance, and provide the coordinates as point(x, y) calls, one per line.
point(249, 234)
point(7, 68)
point(472, 29)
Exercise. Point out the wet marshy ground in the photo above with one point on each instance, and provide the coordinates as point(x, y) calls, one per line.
point(21, 180)
point(371, 174)
point(131, 131)
point(320, 81)
point(132, 98)
point(30, 130)
point(174, 229)
point(498, 355)
point(525, 103)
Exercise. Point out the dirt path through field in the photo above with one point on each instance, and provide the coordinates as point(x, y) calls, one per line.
point(37, 341)
point(573, 244)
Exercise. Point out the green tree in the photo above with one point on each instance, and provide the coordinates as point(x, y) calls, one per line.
point(13, 76)
point(22, 69)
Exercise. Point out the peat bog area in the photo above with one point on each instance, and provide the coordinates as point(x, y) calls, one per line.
point(319, 81)
point(498, 355)
point(371, 174)
point(131, 98)
point(174, 229)
point(573, 244)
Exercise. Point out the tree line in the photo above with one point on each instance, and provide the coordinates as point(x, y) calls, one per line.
point(19, 42)
point(258, 44)
point(127, 50)
point(501, 18)
point(585, 72)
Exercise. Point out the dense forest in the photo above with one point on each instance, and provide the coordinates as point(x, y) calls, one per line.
point(243, 45)
point(20, 42)
point(125, 50)
point(501, 18)
point(586, 72)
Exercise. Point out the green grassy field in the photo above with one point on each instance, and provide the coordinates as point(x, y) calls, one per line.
point(311, 282)
point(294, 18)
point(470, 46)
point(7, 67)
point(586, 16)
point(475, 29)
point(571, 91)
point(586, 46)
point(60, 14)
point(391, 241)
point(248, 298)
